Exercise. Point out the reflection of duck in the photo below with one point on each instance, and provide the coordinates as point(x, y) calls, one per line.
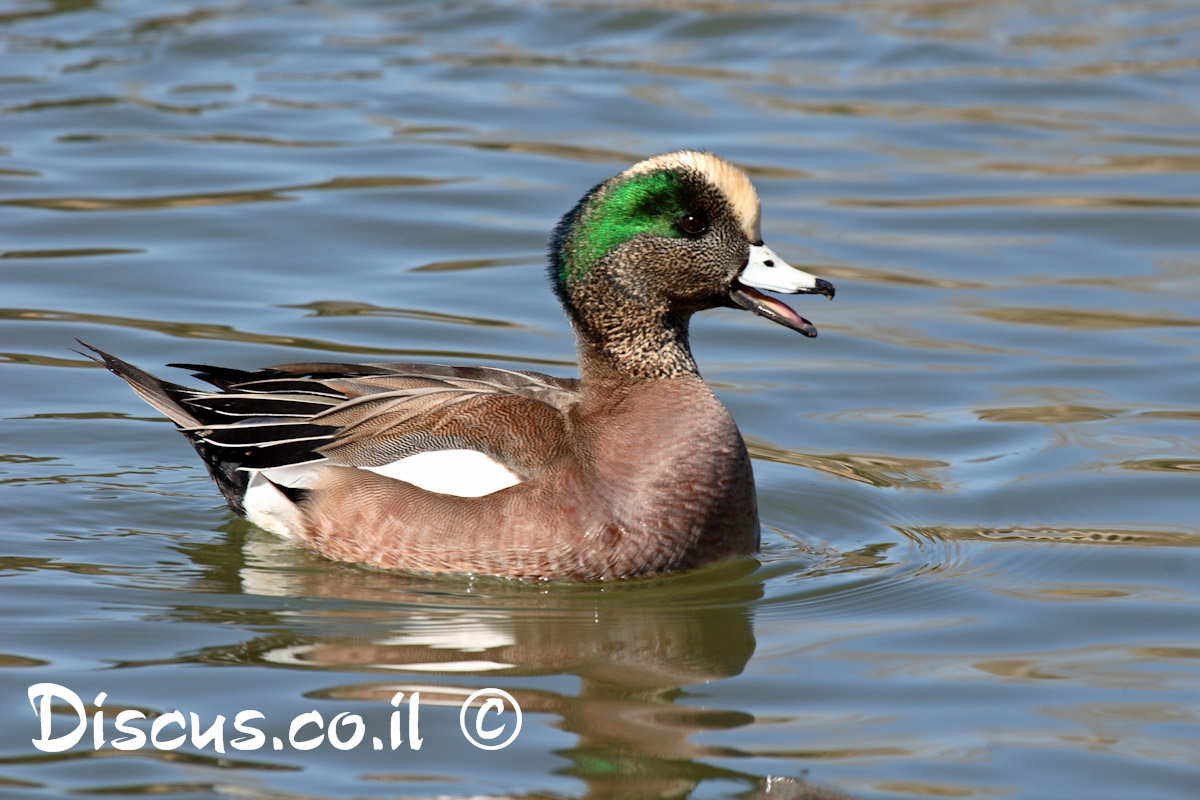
point(641, 636)
point(635, 468)
point(621, 667)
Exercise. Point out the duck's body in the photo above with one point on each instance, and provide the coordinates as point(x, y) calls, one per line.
point(636, 468)
point(614, 493)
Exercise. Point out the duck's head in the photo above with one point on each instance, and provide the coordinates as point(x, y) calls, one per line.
point(672, 235)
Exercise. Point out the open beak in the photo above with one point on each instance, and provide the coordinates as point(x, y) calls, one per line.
point(765, 270)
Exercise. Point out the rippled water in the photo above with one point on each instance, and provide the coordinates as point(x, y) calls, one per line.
point(979, 486)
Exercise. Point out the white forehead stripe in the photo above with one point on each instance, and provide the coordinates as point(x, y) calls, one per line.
point(732, 182)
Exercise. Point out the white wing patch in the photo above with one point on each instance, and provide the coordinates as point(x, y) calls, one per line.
point(465, 473)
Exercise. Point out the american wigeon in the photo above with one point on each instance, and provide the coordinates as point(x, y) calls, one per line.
point(634, 468)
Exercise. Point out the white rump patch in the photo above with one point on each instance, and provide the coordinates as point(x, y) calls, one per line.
point(465, 473)
point(269, 508)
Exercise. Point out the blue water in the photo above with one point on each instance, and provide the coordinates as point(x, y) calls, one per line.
point(979, 485)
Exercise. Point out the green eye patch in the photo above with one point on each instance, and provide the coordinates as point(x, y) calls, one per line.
point(648, 203)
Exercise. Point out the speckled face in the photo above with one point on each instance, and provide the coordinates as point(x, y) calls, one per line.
point(671, 216)
point(654, 203)
point(678, 233)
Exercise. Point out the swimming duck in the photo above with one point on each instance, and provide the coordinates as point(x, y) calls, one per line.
point(635, 468)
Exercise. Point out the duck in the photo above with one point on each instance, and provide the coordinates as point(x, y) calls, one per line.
point(634, 468)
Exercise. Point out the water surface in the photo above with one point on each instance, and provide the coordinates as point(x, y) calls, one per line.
point(979, 486)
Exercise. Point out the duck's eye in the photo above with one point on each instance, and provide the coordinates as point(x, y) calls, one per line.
point(692, 224)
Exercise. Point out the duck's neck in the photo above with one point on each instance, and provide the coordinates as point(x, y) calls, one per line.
point(633, 347)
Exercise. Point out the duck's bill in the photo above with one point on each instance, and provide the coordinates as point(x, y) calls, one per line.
point(765, 270)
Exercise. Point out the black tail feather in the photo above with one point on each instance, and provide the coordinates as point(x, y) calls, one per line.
point(229, 451)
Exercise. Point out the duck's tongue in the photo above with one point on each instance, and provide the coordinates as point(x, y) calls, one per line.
point(766, 306)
